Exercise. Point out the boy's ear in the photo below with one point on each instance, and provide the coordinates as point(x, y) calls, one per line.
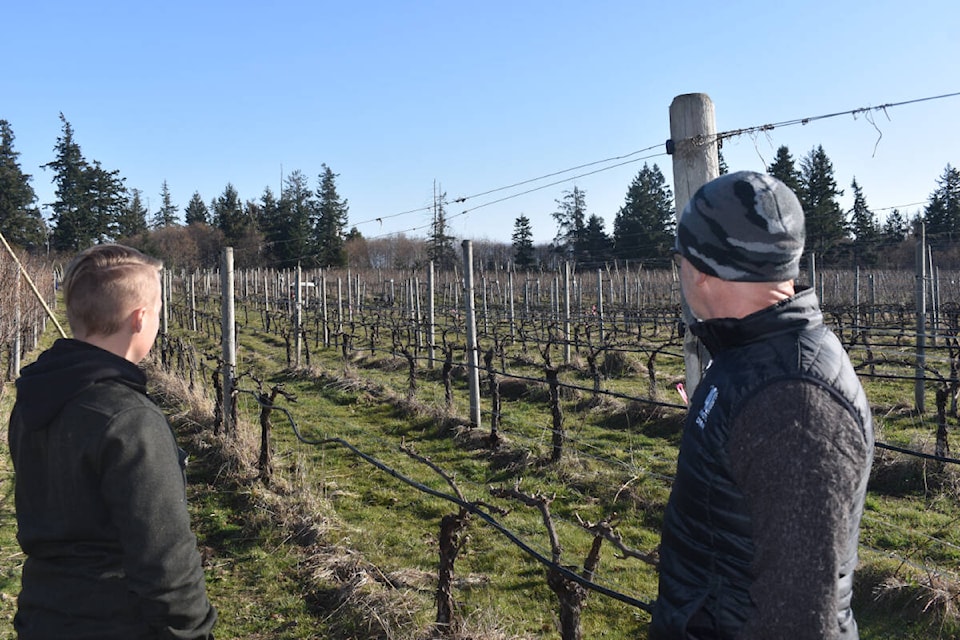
point(136, 319)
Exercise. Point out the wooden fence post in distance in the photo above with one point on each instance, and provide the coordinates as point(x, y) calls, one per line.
point(228, 338)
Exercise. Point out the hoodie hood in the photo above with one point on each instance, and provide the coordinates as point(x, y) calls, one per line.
point(62, 372)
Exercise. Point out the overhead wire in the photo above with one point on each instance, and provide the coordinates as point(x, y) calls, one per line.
point(718, 137)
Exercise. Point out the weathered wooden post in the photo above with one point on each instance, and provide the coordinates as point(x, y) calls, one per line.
point(17, 350)
point(921, 319)
point(431, 315)
point(193, 302)
point(298, 319)
point(693, 145)
point(228, 338)
point(512, 313)
point(166, 278)
point(600, 302)
point(566, 312)
point(812, 269)
point(473, 373)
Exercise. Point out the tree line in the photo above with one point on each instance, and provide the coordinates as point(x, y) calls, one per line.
point(308, 226)
point(644, 226)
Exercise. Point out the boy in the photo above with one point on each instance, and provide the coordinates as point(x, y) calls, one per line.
point(100, 483)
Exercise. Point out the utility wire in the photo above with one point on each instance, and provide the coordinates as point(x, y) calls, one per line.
point(787, 123)
point(718, 137)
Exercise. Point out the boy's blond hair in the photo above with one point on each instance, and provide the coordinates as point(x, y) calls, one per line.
point(105, 283)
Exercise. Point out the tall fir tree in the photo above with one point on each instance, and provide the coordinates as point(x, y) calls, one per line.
point(72, 228)
point(20, 219)
point(229, 215)
point(440, 243)
point(644, 226)
point(784, 169)
point(106, 198)
point(863, 225)
point(571, 218)
point(196, 211)
point(90, 198)
point(330, 222)
point(291, 234)
point(895, 228)
point(942, 213)
point(166, 215)
point(523, 255)
point(825, 221)
point(597, 245)
point(133, 219)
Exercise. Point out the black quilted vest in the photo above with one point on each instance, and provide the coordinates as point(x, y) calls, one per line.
point(706, 548)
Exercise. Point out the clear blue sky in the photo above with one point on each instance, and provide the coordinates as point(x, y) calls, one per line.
point(474, 96)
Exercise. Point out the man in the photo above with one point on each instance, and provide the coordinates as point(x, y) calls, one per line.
point(100, 485)
point(760, 532)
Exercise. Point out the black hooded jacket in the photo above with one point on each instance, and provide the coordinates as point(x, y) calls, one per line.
point(101, 505)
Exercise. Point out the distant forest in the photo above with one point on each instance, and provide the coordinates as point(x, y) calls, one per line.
point(310, 226)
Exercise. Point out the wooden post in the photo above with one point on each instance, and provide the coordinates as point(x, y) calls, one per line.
point(298, 319)
point(812, 268)
point(165, 279)
point(323, 309)
point(473, 372)
point(193, 302)
point(695, 162)
point(921, 318)
point(566, 312)
point(339, 309)
point(17, 347)
point(228, 338)
point(600, 303)
point(512, 312)
point(431, 315)
point(350, 295)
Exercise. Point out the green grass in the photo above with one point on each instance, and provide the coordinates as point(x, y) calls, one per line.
point(334, 547)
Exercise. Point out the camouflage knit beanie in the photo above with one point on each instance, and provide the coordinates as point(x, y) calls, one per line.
point(743, 227)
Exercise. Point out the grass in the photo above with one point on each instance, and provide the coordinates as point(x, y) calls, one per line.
point(333, 547)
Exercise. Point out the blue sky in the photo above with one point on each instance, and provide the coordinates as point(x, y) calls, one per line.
point(475, 96)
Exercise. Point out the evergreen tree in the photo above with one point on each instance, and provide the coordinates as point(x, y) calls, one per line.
point(863, 224)
point(20, 219)
point(824, 218)
point(290, 230)
point(596, 243)
point(196, 211)
point(133, 219)
point(90, 199)
point(523, 255)
point(644, 225)
point(105, 200)
point(895, 228)
point(440, 244)
point(785, 169)
point(571, 217)
point(942, 213)
point(330, 222)
point(722, 167)
point(229, 216)
point(166, 216)
point(72, 227)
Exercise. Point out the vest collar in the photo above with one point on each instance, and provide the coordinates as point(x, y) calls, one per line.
point(799, 311)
